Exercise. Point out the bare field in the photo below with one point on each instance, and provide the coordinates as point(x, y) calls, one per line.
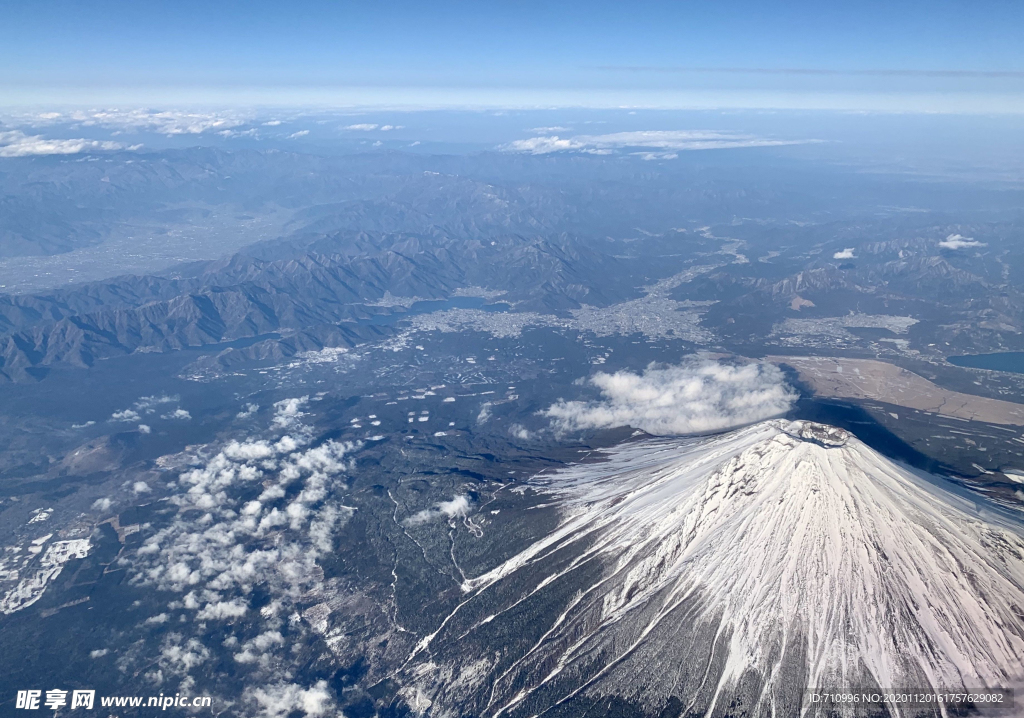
point(880, 381)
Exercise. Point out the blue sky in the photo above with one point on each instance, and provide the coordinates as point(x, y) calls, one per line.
point(917, 56)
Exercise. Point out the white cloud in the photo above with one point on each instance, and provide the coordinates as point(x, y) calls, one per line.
point(141, 487)
point(145, 403)
point(363, 127)
point(257, 649)
point(519, 431)
point(258, 511)
point(458, 506)
point(267, 639)
point(283, 699)
point(248, 450)
point(666, 141)
point(209, 552)
point(958, 241)
point(693, 398)
point(181, 657)
point(287, 411)
point(15, 143)
point(272, 123)
point(145, 429)
point(649, 156)
point(844, 254)
point(179, 414)
point(165, 122)
point(296, 135)
point(544, 145)
point(102, 504)
point(249, 410)
point(99, 653)
point(126, 415)
point(222, 610)
point(251, 132)
point(548, 130)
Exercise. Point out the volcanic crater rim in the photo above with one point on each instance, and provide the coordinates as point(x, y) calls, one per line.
point(824, 435)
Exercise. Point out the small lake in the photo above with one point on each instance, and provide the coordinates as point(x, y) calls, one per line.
point(1003, 361)
point(436, 305)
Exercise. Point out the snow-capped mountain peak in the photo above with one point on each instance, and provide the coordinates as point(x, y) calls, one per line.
point(748, 569)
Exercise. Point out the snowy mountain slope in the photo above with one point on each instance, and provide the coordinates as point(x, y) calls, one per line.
point(730, 576)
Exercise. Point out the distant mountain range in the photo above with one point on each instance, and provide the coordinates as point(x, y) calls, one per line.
point(553, 233)
point(246, 297)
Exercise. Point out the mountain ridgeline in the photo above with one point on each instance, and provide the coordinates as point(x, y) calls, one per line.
point(547, 234)
point(247, 297)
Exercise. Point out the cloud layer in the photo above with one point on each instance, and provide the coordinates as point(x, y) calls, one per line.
point(370, 127)
point(958, 241)
point(14, 143)
point(649, 144)
point(253, 516)
point(693, 398)
point(165, 122)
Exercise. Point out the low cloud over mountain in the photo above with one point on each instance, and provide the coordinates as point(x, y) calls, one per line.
point(651, 144)
point(692, 398)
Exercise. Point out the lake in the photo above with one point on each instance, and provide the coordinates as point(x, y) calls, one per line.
point(1002, 361)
